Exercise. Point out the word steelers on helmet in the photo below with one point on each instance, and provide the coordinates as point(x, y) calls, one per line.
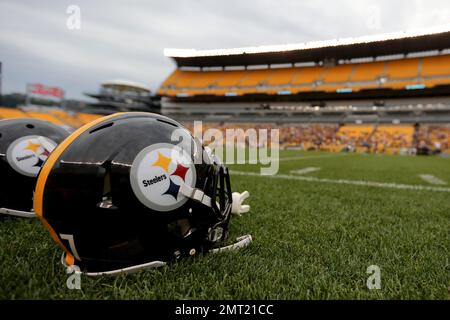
point(25, 145)
point(120, 194)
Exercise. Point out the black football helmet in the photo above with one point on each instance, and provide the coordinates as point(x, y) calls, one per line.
point(131, 191)
point(25, 144)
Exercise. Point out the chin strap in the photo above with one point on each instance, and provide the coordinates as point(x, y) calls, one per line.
point(240, 243)
point(237, 208)
point(128, 270)
point(195, 194)
point(17, 213)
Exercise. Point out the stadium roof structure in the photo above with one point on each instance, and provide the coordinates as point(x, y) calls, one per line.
point(429, 39)
point(125, 85)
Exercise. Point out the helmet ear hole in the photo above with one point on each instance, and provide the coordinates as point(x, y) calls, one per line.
point(30, 126)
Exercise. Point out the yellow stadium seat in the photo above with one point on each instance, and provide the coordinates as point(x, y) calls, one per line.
point(87, 117)
point(368, 71)
point(436, 66)
point(185, 78)
point(204, 79)
point(67, 118)
point(355, 130)
point(281, 76)
point(255, 77)
point(407, 68)
point(10, 113)
point(45, 116)
point(230, 78)
point(394, 137)
point(339, 73)
point(396, 128)
point(308, 75)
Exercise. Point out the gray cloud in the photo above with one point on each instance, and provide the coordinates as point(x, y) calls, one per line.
point(126, 39)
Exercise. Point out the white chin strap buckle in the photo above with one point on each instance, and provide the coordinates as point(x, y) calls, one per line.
point(17, 213)
point(195, 194)
point(237, 208)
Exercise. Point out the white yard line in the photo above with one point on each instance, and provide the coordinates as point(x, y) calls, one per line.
point(348, 182)
point(305, 170)
point(432, 179)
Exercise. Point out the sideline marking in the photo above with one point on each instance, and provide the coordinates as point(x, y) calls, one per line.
point(305, 170)
point(349, 182)
point(432, 179)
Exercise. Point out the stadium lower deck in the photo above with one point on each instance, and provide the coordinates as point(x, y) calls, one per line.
point(386, 139)
point(368, 138)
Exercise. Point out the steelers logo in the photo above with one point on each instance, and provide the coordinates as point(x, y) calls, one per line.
point(158, 172)
point(26, 155)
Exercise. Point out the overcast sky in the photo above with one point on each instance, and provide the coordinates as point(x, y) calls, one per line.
point(126, 39)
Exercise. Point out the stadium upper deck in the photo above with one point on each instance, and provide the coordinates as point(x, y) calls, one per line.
point(418, 61)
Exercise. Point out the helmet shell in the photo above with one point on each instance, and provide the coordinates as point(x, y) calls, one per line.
point(21, 158)
point(86, 197)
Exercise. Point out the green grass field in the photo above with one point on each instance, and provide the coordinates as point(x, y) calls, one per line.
point(314, 234)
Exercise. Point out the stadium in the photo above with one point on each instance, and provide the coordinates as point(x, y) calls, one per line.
point(379, 94)
point(363, 179)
